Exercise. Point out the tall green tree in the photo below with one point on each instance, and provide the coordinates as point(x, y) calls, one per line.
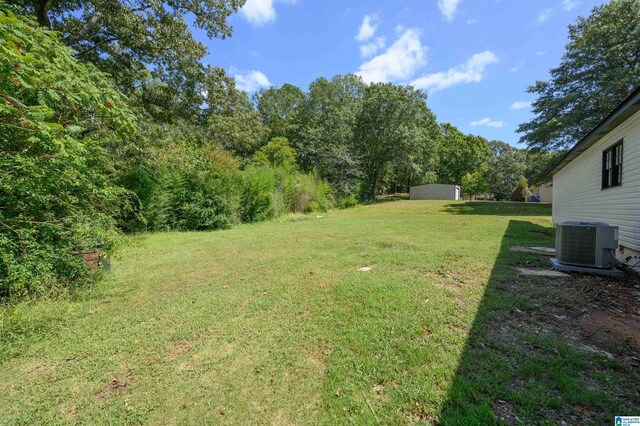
point(276, 153)
point(58, 120)
point(279, 108)
point(506, 167)
point(599, 69)
point(538, 161)
point(240, 132)
point(326, 128)
point(140, 42)
point(394, 122)
point(234, 124)
point(473, 184)
point(460, 154)
point(221, 96)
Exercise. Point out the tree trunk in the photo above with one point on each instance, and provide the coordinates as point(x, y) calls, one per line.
point(42, 14)
point(374, 185)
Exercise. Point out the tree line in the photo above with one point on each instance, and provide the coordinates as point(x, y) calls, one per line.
point(109, 123)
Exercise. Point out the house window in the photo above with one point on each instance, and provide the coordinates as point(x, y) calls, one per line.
point(612, 166)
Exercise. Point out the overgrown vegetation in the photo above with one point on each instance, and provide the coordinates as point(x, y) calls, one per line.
point(59, 119)
point(80, 165)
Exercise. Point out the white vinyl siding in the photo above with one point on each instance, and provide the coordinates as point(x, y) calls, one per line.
point(578, 193)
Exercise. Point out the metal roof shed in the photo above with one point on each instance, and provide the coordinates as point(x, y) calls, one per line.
point(434, 191)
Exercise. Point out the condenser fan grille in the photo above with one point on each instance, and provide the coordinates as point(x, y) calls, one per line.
point(578, 245)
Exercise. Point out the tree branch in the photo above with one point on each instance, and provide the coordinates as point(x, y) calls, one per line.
point(95, 46)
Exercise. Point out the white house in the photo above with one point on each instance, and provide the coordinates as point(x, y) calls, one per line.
point(599, 178)
point(545, 192)
point(434, 191)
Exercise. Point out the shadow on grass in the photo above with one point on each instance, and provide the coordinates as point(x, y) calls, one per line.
point(499, 208)
point(523, 365)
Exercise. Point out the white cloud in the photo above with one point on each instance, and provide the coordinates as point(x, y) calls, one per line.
point(541, 52)
point(448, 8)
point(368, 27)
point(472, 71)
point(251, 81)
point(520, 105)
point(400, 61)
point(569, 5)
point(370, 49)
point(513, 70)
point(487, 122)
point(261, 12)
point(544, 15)
point(472, 21)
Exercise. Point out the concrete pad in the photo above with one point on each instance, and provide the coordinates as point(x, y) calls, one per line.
point(532, 272)
point(598, 271)
point(544, 251)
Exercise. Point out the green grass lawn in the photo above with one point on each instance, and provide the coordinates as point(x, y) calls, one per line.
point(273, 323)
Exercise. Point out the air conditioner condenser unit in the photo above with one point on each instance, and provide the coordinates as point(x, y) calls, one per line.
point(585, 245)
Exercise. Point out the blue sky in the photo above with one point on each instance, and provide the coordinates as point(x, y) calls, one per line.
point(475, 58)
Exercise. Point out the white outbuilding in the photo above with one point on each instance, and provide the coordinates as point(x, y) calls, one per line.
point(434, 191)
point(598, 180)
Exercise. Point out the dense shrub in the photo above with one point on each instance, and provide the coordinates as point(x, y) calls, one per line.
point(348, 201)
point(258, 193)
point(303, 192)
point(196, 187)
point(198, 201)
point(270, 192)
point(309, 194)
point(192, 185)
point(56, 196)
point(176, 182)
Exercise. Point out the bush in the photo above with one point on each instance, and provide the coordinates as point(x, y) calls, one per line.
point(305, 193)
point(57, 195)
point(176, 183)
point(324, 199)
point(197, 190)
point(257, 195)
point(199, 201)
point(348, 201)
point(270, 192)
point(302, 193)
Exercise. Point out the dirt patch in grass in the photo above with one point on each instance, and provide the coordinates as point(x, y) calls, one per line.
point(318, 358)
point(590, 312)
point(116, 386)
point(504, 411)
point(547, 350)
point(180, 349)
point(447, 280)
point(611, 332)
